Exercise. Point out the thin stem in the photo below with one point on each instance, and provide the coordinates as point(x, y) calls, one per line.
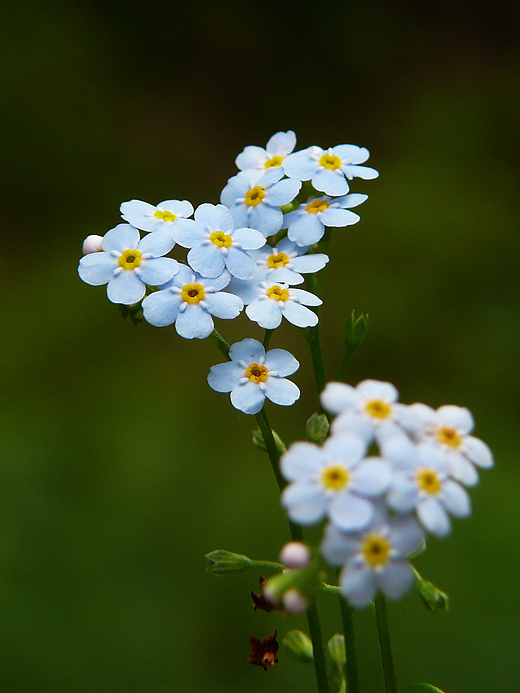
point(385, 645)
point(314, 341)
point(347, 613)
point(267, 338)
point(270, 444)
point(221, 343)
point(320, 663)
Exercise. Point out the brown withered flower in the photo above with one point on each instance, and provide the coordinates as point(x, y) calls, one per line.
point(263, 654)
point(260, 600)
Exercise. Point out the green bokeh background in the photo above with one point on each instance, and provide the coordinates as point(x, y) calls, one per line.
point(119, 467)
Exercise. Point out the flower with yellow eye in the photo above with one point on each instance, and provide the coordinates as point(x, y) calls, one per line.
point(215, 243)
point(190, 301)
point(329, 170)
point(256, 202)
point(128, 264)
point(306, 225)
point(285, 262)
point(374, 559)
point(146, 217)
point(449, 428)
point(335, 480)
point(254, 161)
point(251, 375)
point(370, 410)
point(423, 484)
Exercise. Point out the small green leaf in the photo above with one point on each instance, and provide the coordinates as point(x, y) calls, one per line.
point(299, 645)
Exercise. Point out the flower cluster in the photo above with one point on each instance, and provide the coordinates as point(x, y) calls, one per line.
point(379, 507)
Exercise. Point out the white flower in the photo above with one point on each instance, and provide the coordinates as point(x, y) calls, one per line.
point(375, 558)
point(127, 264)
point(253, 161)
point(449, 427)
point(252, 375)
point(336, 480)
point(146, 217)
point(92, 244)
point(424, 485)
point(370, 410)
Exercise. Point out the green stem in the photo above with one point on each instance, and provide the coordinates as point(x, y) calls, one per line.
point(349, 351)
point(318, 364)
point(385, 645)
point(221, 343)
point(347, 614)
point(267, 338)
point(320, 663)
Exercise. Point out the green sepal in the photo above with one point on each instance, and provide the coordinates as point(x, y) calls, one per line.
point(424, 687)
point(317, 428)
point(337, 660)
point(432, 597)
point(221, 562)
point(133, 313)
point(305, 580)
point(258, 440)
point(299, 645)
point(355, 330)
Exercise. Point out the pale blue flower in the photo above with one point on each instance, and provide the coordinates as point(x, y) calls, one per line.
point(252, 375)
point(254, 161)
point(268, 301)
point(190, 301)
point(285, 262)
point(146, 217)
point(335, 480)
point(256, 203)
point(306, 225)
point(374, 559)
point(128, 264)
point(215, 243)
point(329, 170)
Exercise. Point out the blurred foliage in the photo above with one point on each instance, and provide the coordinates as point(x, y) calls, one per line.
point(120, 468)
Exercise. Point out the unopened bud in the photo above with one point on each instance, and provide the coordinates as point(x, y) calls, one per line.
point(433, 598)
point(295, 555)
point(294, 602)
point(92, 244)
point(226, 562)
point(299, 645)
point(317, 428)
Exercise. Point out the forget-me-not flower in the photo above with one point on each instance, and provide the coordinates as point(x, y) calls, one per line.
point(329, 170)
point(256, 202)
point(285, 262)
point(253, 161)
point(128, 264)
point(306, 225)
point(146, 217)
point(252, 375)
point(190, 301)
point(215, 243)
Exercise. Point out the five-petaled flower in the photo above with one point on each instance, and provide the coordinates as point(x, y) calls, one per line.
point(253, 161)
point(146, 217)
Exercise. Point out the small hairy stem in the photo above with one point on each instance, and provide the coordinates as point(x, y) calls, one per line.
point(221, 343)
point(320, 663)
point(385, 645)
point(352, 676)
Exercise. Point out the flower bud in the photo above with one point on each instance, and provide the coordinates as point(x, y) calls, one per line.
point(226, 562)
point(337, 658)
point(433, 598)
point(299, 645)
point(92, 244)
point(295, 555)
point(317, 428)
point(294, 602)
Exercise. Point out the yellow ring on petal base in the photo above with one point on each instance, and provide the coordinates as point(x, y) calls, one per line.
point(378, 409)
point(277, 260)
point(255, 196)
point(317, 206)
point(429, 481)
point(256, 373)
point(274, 162)
point(449, 436)
point(330, 161)
point(165, 215)
point(130, 259)
point(277, 293)
point(376, 550)
point(193, 293)
point(221, 239)
point(335, 477)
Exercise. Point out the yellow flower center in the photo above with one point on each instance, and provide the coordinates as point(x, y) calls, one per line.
point(429, 481)
point(130, 259)
point(165, 215)
point(274, 162)
point(277, 293)
point(317, 206)
point(193, 293)
point(335, 477)
point(449, 436)
point(221, 239)
point(256, 373)
point(277, 260)
point(376, 550)
point(255, 196)
point(330, 161)
point(378, 409)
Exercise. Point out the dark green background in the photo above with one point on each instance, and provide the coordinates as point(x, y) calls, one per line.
point(120, 468)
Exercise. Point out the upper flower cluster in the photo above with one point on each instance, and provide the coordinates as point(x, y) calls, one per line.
point(379, 507)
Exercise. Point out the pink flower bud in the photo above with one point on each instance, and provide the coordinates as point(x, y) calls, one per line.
point(92, 244)
point(295, 555)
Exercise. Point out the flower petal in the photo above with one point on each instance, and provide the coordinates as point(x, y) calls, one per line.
point(247, 397)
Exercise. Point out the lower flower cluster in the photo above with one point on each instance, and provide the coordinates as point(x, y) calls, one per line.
point(387, 475)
